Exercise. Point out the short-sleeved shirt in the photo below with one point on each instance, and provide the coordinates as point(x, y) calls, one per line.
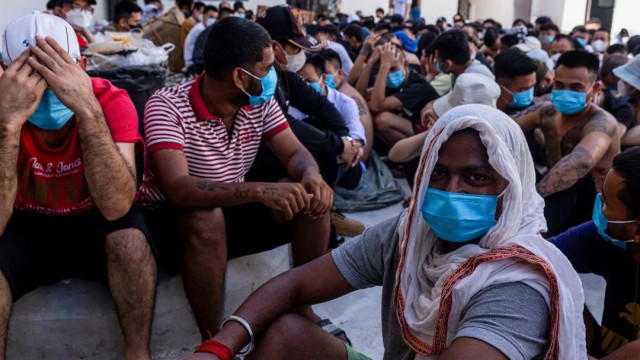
point(177, 118)
point(347, 107)
point(512, 317)
point(52, 181)
point(620, 108)
point(414, 95)
point(588, 252)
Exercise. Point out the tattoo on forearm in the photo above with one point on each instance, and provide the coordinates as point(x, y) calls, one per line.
point(566, 173)
point(209, 186)
point(242, 193)
point(269, 191)
point(366, 50)
point(528, 110)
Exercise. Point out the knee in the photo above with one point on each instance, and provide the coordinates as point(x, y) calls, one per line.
point(382, 121)
point(286, 330)
point(204, 229)
point(128, 245)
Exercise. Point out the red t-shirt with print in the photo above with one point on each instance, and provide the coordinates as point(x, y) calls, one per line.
point(51, 181)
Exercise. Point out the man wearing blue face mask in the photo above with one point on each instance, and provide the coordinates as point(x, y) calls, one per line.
point(464, 271)
point(202, 139)
point(68, 179)
point(580, 141)
point(610, 247)
point(398, 95)
point(314, 72)
point(516, 75)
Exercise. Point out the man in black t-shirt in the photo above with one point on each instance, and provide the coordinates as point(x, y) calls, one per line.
point(397, 96)
point(610, 247)
point(620, 107)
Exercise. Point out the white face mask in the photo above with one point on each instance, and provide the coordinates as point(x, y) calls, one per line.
point(624, 89)
point(294, 62)
point(624, 40)
point(197, 16)
point(79, 17)
point(599, 46)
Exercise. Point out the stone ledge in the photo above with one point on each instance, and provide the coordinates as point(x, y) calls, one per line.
point(76, 319)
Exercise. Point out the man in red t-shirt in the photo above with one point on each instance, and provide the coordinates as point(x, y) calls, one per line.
point(202, 138)
point(67, 179)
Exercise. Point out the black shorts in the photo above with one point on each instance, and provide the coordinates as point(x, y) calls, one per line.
point(250, 229)
point(37, 250)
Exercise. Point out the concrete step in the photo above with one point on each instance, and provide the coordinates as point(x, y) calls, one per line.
point(76, 319)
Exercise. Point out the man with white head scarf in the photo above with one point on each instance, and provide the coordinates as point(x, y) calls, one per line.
point(494, 287)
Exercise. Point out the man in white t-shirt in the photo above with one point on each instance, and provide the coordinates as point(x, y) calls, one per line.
point(208, 19)
point(402, 7)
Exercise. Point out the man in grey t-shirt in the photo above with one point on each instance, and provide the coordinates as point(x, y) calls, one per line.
point(505, 319)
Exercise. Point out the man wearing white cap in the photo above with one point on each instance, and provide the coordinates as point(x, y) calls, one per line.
point(469, 89)
point(629, 85)
point(67, 179)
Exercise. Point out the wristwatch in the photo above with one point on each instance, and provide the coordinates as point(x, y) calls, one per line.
point(350, 139)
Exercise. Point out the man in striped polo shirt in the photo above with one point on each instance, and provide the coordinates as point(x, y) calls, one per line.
point(202, 137)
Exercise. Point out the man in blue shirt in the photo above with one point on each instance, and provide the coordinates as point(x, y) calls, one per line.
point(610, 246)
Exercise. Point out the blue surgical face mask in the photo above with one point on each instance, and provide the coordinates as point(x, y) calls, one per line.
point(211, 21)
point(241, 15)
point(395, 79)
point(613, 89)
point(316, 86)
point(550, 38)
point(582, 42)
point(439, 67)
point(569, 102)
point(458, 217)
point(601, 223)
point(269, 83)
point(329, 81)
point(521, 99)
point(51, 114)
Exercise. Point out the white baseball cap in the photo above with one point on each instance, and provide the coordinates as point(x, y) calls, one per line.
point(469, 89)
point(20, 33)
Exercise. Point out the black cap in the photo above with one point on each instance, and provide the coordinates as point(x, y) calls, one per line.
point(285, 26)
point(442, 19)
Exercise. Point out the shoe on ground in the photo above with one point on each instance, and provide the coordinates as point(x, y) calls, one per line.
point(345, 226)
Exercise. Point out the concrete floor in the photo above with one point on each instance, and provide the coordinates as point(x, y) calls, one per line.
point(76, 319)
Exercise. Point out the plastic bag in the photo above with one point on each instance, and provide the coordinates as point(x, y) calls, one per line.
point(143, 56)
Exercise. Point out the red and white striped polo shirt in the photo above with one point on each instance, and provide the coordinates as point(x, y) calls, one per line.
point(177, 118)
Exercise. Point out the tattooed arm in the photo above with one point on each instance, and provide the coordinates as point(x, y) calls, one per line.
point(597, 137)
point(303, 168)
point(183, 190)
point(531, 117)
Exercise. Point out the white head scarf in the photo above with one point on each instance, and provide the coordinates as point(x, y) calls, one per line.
point(432, 288)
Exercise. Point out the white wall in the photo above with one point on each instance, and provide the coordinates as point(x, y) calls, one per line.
point(499, 10)
point(431, 10)
point(625, 15)
point(574, 14)
point(367, 7)
point(550, 8)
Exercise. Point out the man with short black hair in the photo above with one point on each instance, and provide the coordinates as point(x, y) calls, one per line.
point(609, 246)
point(454, 56)
point(354, 35)
point(379, 14)
point(397, 97)
point(549, 30)
point(561, 44)
point(582, 36)
point(202, 138)
point(600, 40)
point(197, 10)
point(541, 20)
point(128, 16)
point(580, 141)
point(608, 78)
point(615, 50)
point(516, 75)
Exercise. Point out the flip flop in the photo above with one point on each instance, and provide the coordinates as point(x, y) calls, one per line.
point(330, 328)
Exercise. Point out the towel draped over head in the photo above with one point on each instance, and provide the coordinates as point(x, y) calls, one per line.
point(432, 288)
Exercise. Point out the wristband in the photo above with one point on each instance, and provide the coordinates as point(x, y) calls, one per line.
point(216, 348)
point(246, 326)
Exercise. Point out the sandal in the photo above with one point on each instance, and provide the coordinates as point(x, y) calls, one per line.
point(330, 328)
